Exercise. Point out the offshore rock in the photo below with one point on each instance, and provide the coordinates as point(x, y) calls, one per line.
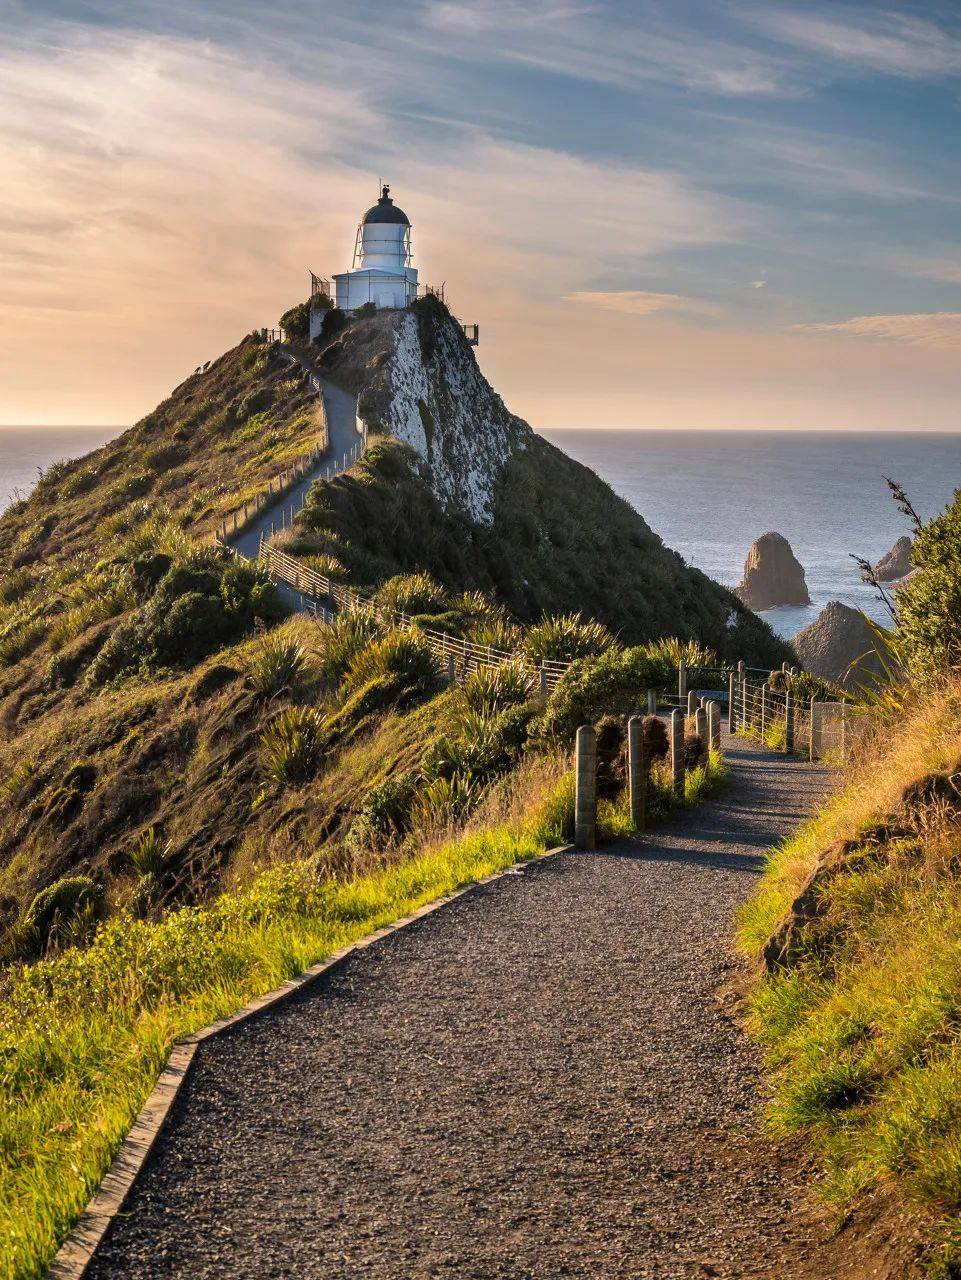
point(897, 563)
point(772, 575)
point(839, 646)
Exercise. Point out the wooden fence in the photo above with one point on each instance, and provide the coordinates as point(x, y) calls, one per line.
point(457, 656)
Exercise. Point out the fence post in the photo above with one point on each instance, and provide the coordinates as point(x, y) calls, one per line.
point(811, 734)
point(714, 724)
point(652, 702)
point(700, 725)
point(682, 681)
point(765, 695)
point(677, 751)
point(691, 702)
point(844, 733)
point(585, 790)
point(788, 724)
point(637, 772)
point(745, 723)
point(731, 713)
point(542, 681)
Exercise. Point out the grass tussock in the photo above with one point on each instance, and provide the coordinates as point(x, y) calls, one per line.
point(860, 1026)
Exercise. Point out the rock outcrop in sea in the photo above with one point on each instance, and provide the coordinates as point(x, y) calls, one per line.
point(897, 563)
point(772, 575)
point(839, 646)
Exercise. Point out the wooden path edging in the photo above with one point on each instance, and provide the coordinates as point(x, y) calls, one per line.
point(77, 1251)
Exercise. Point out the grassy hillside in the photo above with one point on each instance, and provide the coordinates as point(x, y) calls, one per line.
point(857, 925)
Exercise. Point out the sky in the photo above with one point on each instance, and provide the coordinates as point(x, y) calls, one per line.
point(661, 213)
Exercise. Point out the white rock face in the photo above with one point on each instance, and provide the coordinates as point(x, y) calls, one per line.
point(438, 401)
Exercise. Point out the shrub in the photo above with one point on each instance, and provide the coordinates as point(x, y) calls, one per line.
point(351, 631)
point(611, 769)
point(165, 456)
point(201, 603)
point(566, 638)
point(655, 738)
point(491, 689)
point(334, 323)
point(695, 752)
point(80, 481)
point(929, 603)
point(277, 664)
point(412, 593)
point(497, 633)
point(63, 912)
point(296, 322)
point(673, 652)
point(151, 854)
point(15, 584)
point(384, 816)
point(402, 658)
point(614, 682)
point(290, 746)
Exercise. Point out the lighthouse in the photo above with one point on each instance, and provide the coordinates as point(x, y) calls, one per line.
point(381, 272)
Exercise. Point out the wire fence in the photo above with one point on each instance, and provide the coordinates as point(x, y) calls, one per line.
point(818, 728)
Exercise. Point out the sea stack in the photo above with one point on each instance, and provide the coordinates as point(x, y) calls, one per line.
point(897, 563)
point(839, 646)
point(772, 575)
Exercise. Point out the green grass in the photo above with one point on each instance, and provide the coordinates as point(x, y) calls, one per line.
point(614, 816)
point(83, 1036)
point(861, 1033)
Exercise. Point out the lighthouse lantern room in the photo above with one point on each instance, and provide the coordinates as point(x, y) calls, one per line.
point(381, 271)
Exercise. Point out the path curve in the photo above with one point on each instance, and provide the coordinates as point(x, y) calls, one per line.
point(536, 1081)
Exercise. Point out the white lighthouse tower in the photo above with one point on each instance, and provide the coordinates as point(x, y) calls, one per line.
point(381, 271)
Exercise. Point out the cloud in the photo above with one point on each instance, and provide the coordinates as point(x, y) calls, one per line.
point(638, 302)
point(940, 329)
point(944, 269)
point(586, 42)
point(876, 39)
point(758, 284)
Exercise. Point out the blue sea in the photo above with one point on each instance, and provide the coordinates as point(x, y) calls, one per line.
point(708, 494)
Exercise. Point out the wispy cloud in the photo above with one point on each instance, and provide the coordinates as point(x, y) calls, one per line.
point(873, 38)
point(595, 43)
point(639, 302)
point(928, 329)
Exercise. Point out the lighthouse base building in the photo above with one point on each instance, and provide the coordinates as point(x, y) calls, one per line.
point(381, 273)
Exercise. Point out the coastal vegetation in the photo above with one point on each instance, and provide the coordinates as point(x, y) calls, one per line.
point(856, 925)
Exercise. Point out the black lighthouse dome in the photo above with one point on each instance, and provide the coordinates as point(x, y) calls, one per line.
point(386, 211)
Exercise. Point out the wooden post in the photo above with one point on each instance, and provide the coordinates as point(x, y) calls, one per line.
point(677, 752)
point(585, 791)
point(652, 702)
point(714, 724)
point(765, 714)
point(691, 702)
point(700, 726)
point(744, 718)
point(788, 724)
point(451, 671)
point(682, 681)
point(731, 713)
point(741, 671)
point(844, 733)
point(637, 772)
point(811, 734)
point(542, 681)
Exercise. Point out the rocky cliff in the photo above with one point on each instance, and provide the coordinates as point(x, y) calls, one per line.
point(772, 575)
point(464, 489)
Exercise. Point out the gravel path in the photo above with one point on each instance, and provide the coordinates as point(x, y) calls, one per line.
point(537, 1081)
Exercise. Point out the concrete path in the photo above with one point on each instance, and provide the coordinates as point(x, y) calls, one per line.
point(537, 1081)
point(343, 438)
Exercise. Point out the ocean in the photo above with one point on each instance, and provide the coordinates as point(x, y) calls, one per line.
point(708, 494)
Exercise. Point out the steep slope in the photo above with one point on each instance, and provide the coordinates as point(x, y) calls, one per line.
point(461, 487)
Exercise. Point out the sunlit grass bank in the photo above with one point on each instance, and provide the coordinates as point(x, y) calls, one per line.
point(862, 1030)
